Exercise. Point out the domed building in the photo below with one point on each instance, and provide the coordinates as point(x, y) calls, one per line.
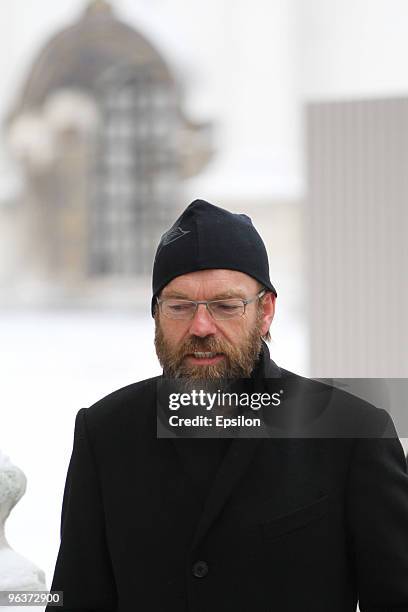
point(104, 144)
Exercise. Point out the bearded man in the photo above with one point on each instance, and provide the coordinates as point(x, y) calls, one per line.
point(243, 524)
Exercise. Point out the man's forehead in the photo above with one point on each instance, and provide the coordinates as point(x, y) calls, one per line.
point(212, 282)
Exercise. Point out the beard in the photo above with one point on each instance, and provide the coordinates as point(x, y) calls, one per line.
point(239, 360)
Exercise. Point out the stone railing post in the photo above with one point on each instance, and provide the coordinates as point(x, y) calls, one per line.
point(16, 572)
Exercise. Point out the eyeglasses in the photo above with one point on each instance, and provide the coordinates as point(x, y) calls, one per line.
point(221, 310)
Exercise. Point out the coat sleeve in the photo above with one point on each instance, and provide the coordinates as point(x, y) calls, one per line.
point(83, 569)
point(377, 511)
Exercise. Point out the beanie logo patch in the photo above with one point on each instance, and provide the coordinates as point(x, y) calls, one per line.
point(173, 234)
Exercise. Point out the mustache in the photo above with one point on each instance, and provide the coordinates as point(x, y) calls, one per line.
point(207, 344)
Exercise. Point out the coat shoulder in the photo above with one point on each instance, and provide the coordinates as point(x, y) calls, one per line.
point(134, 400)
point(335, 407)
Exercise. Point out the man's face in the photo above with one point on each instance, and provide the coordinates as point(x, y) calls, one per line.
point(231, 346)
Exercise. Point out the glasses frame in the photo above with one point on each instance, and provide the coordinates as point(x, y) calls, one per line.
point(206, 304)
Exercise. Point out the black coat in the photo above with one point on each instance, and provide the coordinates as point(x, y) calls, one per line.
point(292, 525)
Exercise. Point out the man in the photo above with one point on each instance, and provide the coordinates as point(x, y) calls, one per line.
point(243, 524)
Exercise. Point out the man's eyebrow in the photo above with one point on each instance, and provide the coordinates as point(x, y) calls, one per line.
point(225, 295)
point(174, 294)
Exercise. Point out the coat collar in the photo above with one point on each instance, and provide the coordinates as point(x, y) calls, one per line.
point(265, 367)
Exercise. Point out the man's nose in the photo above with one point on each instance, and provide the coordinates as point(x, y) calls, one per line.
point(202, 323)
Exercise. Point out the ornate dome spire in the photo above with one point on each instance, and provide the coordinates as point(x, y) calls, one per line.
point(96, 7)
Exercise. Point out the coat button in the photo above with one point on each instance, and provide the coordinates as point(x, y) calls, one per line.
point(200, 569)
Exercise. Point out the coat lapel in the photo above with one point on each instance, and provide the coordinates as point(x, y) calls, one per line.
point(232, 468)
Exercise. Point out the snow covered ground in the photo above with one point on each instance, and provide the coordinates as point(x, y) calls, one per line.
point(52, 363)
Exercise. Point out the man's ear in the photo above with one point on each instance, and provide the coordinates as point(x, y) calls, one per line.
point(268, 306)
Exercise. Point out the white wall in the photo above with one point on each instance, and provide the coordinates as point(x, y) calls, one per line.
point(350, 48)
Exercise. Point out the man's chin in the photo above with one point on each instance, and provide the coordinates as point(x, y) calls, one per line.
point(201, 379)
point(203, 372)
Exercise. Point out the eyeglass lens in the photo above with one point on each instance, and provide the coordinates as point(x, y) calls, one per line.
point(220, 309)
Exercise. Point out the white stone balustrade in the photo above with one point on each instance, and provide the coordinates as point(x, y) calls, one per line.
point(16, 572)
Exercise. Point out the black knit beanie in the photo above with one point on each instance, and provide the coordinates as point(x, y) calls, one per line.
point(208, 237)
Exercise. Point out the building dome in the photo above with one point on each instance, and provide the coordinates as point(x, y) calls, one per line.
point(81, 55)
point(100, 132)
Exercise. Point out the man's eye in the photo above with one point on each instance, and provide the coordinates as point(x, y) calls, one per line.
point(179, 307)
point(227, 306)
